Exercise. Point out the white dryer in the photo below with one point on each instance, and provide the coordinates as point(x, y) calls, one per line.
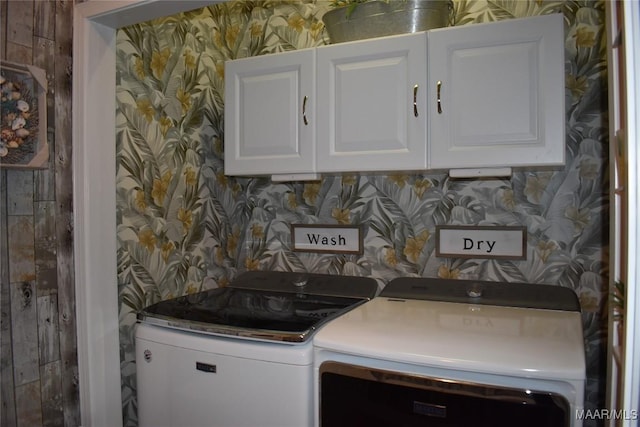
point(453, 353)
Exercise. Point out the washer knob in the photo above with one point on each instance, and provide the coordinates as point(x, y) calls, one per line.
point(474, 290)
point(300, 281)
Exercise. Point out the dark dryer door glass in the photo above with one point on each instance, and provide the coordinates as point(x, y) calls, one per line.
point(250, 313)
point(353, 396)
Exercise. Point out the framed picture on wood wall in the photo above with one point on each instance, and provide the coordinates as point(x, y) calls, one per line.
point(23, 133)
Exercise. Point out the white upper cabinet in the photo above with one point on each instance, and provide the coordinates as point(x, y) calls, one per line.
point(269, 114)
point(371, 107)
point(497, 94)
point(476, 100)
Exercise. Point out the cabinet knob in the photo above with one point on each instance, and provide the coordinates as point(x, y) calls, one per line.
point(415, 100)
point(439, 86)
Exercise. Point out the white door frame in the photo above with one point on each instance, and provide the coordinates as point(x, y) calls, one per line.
point(94, 171)
point(630, 399)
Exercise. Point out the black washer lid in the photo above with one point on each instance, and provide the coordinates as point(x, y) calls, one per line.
point(525, 295)
point(266, 306)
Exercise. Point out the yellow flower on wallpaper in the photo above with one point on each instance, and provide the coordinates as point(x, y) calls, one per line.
point(160, 187)
point(580, 217)
point(145, 108)
point(138, 68)
point(310, 193)
point(545, 249)
point(189, 60)
point(349, 179)
point(236, 188)
point(390, 257)
point(341, 215)
point(445, 272)
point(296, 22)
point(585, 37)
point(159, 62)
point(423, 236)
point(232, 242)
point(167, 250)
point(420, 186)
point(218, 255)
point(399, 179)
point(291, 200)
point(218, 146)
point(576, 85)
point(252, 264)
point(412, 249)
point(255, 30)
point(165, 124)
point(185, 216)
point(231, 35)
point(185, 100)
point(316, 29)
point(588, 302)
point(190, 177)
point(536, 186)
point(257, 231)
point(507, 197)
point(220, 69)
point(414, 245)
point(191, 288)
point(217, 39)
point(222, 179)
point(147, 239)
point(141, 202)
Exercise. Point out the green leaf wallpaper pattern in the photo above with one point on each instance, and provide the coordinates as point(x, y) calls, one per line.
point(183, 226)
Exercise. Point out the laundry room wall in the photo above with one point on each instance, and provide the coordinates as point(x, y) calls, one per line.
point(183, 226)
point(38, 348)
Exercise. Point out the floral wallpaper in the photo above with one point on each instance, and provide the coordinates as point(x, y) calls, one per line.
point(183, 226)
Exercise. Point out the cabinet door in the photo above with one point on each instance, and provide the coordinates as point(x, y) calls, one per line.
point(497, 94)
point(269, 123)
point(371, 105)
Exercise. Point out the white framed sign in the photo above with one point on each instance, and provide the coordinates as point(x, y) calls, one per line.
point(327, 238)
point(481, 242)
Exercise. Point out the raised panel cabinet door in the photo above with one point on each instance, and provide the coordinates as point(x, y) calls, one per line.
point(372, 105)
point(269, 114)
point(497, 94)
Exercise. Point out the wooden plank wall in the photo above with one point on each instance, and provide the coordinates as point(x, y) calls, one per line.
point(39, 367)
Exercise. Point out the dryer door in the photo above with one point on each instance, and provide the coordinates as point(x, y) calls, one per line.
point(356, 396)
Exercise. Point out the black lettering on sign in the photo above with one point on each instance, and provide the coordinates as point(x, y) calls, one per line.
point(319, 239)
point(470, 244)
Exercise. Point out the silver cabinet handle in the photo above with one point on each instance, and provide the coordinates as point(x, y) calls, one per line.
point(415, 100)
point(439, 86)
point(304, 110)
point(206, 367)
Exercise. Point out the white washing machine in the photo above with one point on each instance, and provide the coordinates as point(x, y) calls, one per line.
point(192, 380)
point(453, 353)
point(239, 356)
